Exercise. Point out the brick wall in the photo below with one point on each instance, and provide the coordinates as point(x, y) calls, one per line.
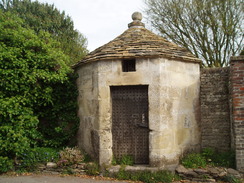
point(237, 93)
point(215, 112)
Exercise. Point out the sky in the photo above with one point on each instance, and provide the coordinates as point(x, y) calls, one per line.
point(100, 21)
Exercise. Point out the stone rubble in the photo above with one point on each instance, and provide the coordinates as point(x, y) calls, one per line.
point(189, 175)
point(52, 168)
point(208, 174)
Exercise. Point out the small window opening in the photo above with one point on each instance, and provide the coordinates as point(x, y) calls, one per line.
point(129, 65)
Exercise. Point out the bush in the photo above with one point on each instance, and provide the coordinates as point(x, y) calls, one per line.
point(70, 156)
point(17, 127)
point(194, 160)
point(32, 89)
point(5, 164)
point(59, 122)
point(37, 155)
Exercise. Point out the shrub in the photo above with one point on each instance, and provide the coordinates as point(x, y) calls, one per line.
point(17, 127)
point(70, 156)
point(29, 64)
point(5, 164)
point(34, 82)
point(194, 160)
point(59, 122)
point(34, 156)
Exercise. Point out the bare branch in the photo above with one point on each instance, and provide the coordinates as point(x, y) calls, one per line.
point(212, 30)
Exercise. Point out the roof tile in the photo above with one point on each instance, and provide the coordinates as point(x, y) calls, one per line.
point(139, 42)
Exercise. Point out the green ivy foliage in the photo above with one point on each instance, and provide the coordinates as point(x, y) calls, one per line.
point(30, 159)
point(17, 127)
point(35, 84)
point(5, 164)
point(59, 122)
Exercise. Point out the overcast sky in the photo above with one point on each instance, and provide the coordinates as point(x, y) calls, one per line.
point(100, 21)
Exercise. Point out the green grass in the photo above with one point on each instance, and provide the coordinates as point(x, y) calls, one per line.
point(124, 160)
point(215, 158)
point(147, 177)
point(92, 168)
point(209, 156)
point(194, 160)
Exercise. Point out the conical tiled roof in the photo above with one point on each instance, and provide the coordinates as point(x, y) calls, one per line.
point(138, 42)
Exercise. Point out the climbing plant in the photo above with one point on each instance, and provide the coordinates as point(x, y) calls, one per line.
point(35, 84)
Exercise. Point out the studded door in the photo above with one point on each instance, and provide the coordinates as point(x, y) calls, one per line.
point(130, 122)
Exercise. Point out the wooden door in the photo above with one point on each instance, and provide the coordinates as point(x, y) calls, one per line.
point(130, 122)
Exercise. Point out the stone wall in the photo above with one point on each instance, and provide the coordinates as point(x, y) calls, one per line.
point(215, 112)
point(173, 106)
point(173, 93)
point(222, 109)
point(237, 88)
point(88, 98)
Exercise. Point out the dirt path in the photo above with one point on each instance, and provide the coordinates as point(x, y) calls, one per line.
point(53, 179)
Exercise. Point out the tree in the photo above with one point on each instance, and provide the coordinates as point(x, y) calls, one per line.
point(45, 17)
point(31, 65)
point(211, 30)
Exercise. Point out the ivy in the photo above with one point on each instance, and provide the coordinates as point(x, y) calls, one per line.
point(35, 84)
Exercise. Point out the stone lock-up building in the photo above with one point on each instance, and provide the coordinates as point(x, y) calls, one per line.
point(139, 96)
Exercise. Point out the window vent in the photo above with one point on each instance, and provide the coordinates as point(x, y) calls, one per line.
point(129, 65)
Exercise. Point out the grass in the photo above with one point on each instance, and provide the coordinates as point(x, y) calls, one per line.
point(211, 157)
point(232, 179)
point(215, 158)
point(124, 160)
point(147, 176)
point(92, 169)
point(194, 160)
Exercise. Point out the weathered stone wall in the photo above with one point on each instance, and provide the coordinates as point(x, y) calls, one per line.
point(237, 88)
point(173, 106)
point(215, 112)
point(87, 84)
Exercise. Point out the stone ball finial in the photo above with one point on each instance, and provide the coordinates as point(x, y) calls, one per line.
point(136, 16)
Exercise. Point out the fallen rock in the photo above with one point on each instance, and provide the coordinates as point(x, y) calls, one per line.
point(234, 173)
point(214, 171)
point(181, 169)
point(201, 171)
point(81, 165)
point(191, 173)
point(114, 169)
point(194, 180)
point(41, 167)
point(51, 165)
point(222, 174)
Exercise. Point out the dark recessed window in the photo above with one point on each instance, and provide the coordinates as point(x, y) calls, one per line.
point(129, 65)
